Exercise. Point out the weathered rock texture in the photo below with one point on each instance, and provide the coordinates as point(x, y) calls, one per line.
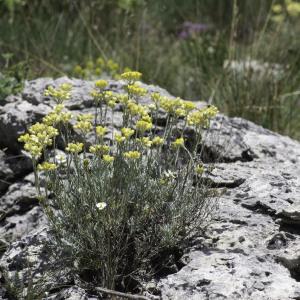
point(251, 251)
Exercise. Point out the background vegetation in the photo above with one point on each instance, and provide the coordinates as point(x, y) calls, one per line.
point(242, 55)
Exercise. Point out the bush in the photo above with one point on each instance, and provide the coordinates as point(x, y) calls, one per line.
point(122, 209)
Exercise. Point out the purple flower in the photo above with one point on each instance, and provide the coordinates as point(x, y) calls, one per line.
point(190, 28)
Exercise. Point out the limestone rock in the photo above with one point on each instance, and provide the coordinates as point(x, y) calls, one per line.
point(250, 251)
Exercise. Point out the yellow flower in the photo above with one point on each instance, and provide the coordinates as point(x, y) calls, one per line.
point(65, 117)
point(145, 141)
point(132, 154)
point(43, 129)
point(98, 71)
point(156, 98)
point(100, 62)
point(112, 66)
point(201, 117)
point(85, 117)
point(277, 8)
point(127, 132)
point(84, 126)
point(188, 106)
point(135, 89)
point(119, 138)
point(96, 95)
point(46, 166)
point(101, 84)
point(41, 136)
point(111, 103)
point(131, 76)
point(99, 149)
point(74, 147)
point(178, 143)
point(136, 109)
point(293, 8)
point(157, 141)
point(62, 93)
point(180, 112)
point(24, 138)
point(89, 65)
point(57, 116)
point(122, 98)
point(58, 108)
point(108, 158)
point(143, 126)
point(170, 105)
point(147, 118)
point(78, 70)
point(199, 169)
point(101, 131)
point(35, 150)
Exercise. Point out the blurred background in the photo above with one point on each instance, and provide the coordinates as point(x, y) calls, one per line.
point(241, 55)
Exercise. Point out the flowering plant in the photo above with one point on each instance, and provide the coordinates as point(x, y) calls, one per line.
point(120, 201)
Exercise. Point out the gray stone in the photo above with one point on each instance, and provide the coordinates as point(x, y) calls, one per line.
point(30, 259)
point(72, 293)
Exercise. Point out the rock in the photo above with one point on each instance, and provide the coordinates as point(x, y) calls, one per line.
point(16, 226)
point(12, 167)
point(251, 249)
point(72, 293)
point(6, 174)
point(291, 215)
point(30, 260)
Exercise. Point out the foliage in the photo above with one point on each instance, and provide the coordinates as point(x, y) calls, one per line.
point(179, 45)
point(120, 209)
point(12, 77)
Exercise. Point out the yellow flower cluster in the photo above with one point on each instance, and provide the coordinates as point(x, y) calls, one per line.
point(91, 69)
point(74, 147)
point(46, 166)
point(131, 76)
point(127, 132)
point(85, 117)
point(62, 93)
point(108, 158)
point(101, 84)
point(201, 117)
point(290, 7)
point(199, 169)
point(99, 149)
point(136, 109)
point(101, 131)
point(145, 141)
point(178, 143)
point(83, 126)
point(143, 125)
point(176, 107)
point(84, 123)
point(293, 8)
point(39, 137)
point(157, 141)
point(57, 116)
point(107, 97)
point(132, 154)
point(136, 90)
point(119, 138)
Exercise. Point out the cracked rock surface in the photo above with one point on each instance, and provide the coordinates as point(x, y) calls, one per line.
point(250, 251)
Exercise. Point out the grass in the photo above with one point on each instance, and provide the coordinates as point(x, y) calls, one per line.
point(151, 36)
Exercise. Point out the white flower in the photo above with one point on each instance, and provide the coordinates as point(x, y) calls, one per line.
point(169, 174)
point(61, 159)
point(101, 205)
